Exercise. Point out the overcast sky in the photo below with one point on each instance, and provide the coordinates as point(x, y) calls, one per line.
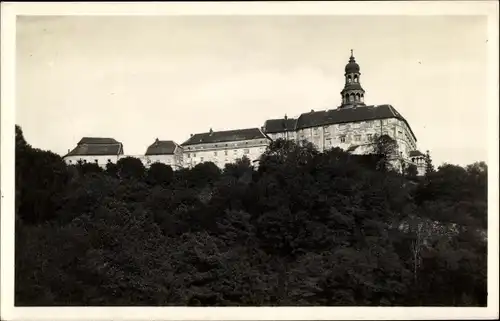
point(139, 78)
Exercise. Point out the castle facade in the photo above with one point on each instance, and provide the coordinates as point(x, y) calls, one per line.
point(351, 126)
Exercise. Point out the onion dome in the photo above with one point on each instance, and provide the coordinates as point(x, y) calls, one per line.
point(352, 66)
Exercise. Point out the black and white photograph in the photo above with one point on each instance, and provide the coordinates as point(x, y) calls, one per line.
point(249, 157)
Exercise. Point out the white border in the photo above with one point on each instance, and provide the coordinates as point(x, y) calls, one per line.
point(8, 32)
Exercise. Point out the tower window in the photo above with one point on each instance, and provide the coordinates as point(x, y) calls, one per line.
point(225, 152)
point(342, 139)
point(369, 136)
point(215, 153)
point(357, 138)
point(355, 78)
point(349, 80)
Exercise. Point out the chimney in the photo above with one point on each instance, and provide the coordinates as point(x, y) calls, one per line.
point(69, 150)
point(157, 140)
point(312, 110)
point(190, 135)
point(286, 117)
point(211, 131)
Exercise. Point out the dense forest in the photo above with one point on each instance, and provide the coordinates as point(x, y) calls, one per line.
point(304, 228)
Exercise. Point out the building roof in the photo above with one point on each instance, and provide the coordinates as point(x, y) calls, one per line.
point(96, 149)
point(94, 146)
point(279, 125)
point(162, 147)
point(416, 153)
point(97, 140)
point(225, 136)
point(348, 115)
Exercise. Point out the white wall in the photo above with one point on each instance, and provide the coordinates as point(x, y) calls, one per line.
point(222, 154)
point(102, 160)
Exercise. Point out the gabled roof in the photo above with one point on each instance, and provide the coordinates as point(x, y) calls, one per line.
point(97, 140)
point(96, 149)
point(162, 147)
point(94, 146)
point(279, 125)
point(225, 136)
point(348, 115)
point(416, 153)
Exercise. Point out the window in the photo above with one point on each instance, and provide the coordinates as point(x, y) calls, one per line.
point(201, 159)
point(194, 155)
point(225, 152)
point(189, 155)
point(109, 160)
point(342, 139)
point(215, 145)
point(369, 136)
point(384, 121)
point(357, 138)
point(215, 153)
point(70, 161)
point(235, 152)
point(356, 125)
point(342, 126)
point(368, 124)
point(315, 131)
point(246, 151)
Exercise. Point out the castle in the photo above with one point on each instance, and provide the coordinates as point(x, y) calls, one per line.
point(351, 126)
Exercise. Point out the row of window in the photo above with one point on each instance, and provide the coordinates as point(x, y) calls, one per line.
point(215, 146)
point(246, 151)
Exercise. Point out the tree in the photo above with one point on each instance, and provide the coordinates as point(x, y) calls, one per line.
point(411, 171)
point(159, 174)
point(41, 177)
point(386, 148)
point(429, 167)
point(307, 228)
point(130, 167)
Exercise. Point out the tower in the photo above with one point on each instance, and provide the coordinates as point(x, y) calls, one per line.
point(353, 95)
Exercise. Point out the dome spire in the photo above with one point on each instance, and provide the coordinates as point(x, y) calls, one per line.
point(353, 94)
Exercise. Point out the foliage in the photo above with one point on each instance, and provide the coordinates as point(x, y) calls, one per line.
point(305, 228)
point(130, 167)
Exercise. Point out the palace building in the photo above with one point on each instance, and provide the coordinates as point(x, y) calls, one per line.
point(166, 152)
point(352, 126)
point(223, 147)
point(96, 150)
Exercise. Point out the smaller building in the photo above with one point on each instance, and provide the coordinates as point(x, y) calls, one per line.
point(96, 150)
point(280, 128)
point(418, 159)
point(224, 147)
point(166, 152)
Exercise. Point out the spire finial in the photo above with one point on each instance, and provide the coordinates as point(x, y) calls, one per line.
point(352, 53)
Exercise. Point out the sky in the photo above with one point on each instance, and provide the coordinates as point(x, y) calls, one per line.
point(138, 78)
